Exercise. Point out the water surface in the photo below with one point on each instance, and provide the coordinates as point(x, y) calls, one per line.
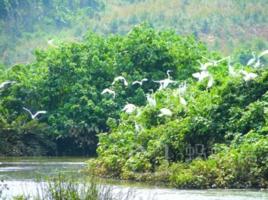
point(24, 175)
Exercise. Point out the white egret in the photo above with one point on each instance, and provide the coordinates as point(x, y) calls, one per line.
point(247, 76)
point(263, 53)
point(182, 88)
point(210, 82)
point(231, 70)
point(109, 91)
point(140, 82)
point(165, 112)
point(138, 127)
point(164, 83)
point(120, 78)
point(129, 108)
point(258, 63)
point(151, 100)
point(252, 60)
point(212, 62)
point(51, 43)
point(204, 66)
point(183, 101)
point(201, 75)
point(33, 116)
point(168, 73)
point(6, 83)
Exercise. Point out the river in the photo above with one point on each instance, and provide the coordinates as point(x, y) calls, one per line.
point(21, 176)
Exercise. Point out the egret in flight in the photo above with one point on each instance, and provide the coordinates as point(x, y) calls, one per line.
point(6, 84)
point(140, 82)
point(108, 91)
point(33, 116)
point(164, 83)
point(120, 78)
point(201, 75)
point(204, 66)
point(247, 76)
point(212, 62)
point(165, 112)
point(129, 108)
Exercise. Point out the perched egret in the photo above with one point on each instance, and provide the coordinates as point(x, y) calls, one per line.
point(33, 116)
point(183, 101)
point(138, 127)
point(231, 70)
point(247, 76)
point(168, 73)
point(210, 82)
point(252, 60)
point(151, 100)
point(258, 63)
point(165, 112)
point(140, 82)
point(120, 78)
point(129, 108)
point(201, 75)
point(109, 91)
point(51, 43)
point(6, 84)
point(182, 88)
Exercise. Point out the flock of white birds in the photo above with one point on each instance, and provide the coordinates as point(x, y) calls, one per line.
point(202, 75)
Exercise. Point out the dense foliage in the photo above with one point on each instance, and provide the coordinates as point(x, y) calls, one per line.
point(67, 83)
point(233, 112)
point(222, 25)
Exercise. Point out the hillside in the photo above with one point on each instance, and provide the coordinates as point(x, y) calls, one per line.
point(223, 25)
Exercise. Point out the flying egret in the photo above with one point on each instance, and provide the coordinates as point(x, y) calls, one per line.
point(6, 83)
point(201, 75)
point(129, 108)
point(247, 76)
point(120, 78)
point(33, 116)
point(151, 100)
point(204, 66)
point(109, 91)
point(212, 62)
point(140, 82)
point(165, 112)
point(164, 83)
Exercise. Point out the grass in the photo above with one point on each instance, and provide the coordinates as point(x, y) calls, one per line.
point(63, 188)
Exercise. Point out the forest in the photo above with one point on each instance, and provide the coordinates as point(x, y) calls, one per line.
point(225, 26)
point(150, 103)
